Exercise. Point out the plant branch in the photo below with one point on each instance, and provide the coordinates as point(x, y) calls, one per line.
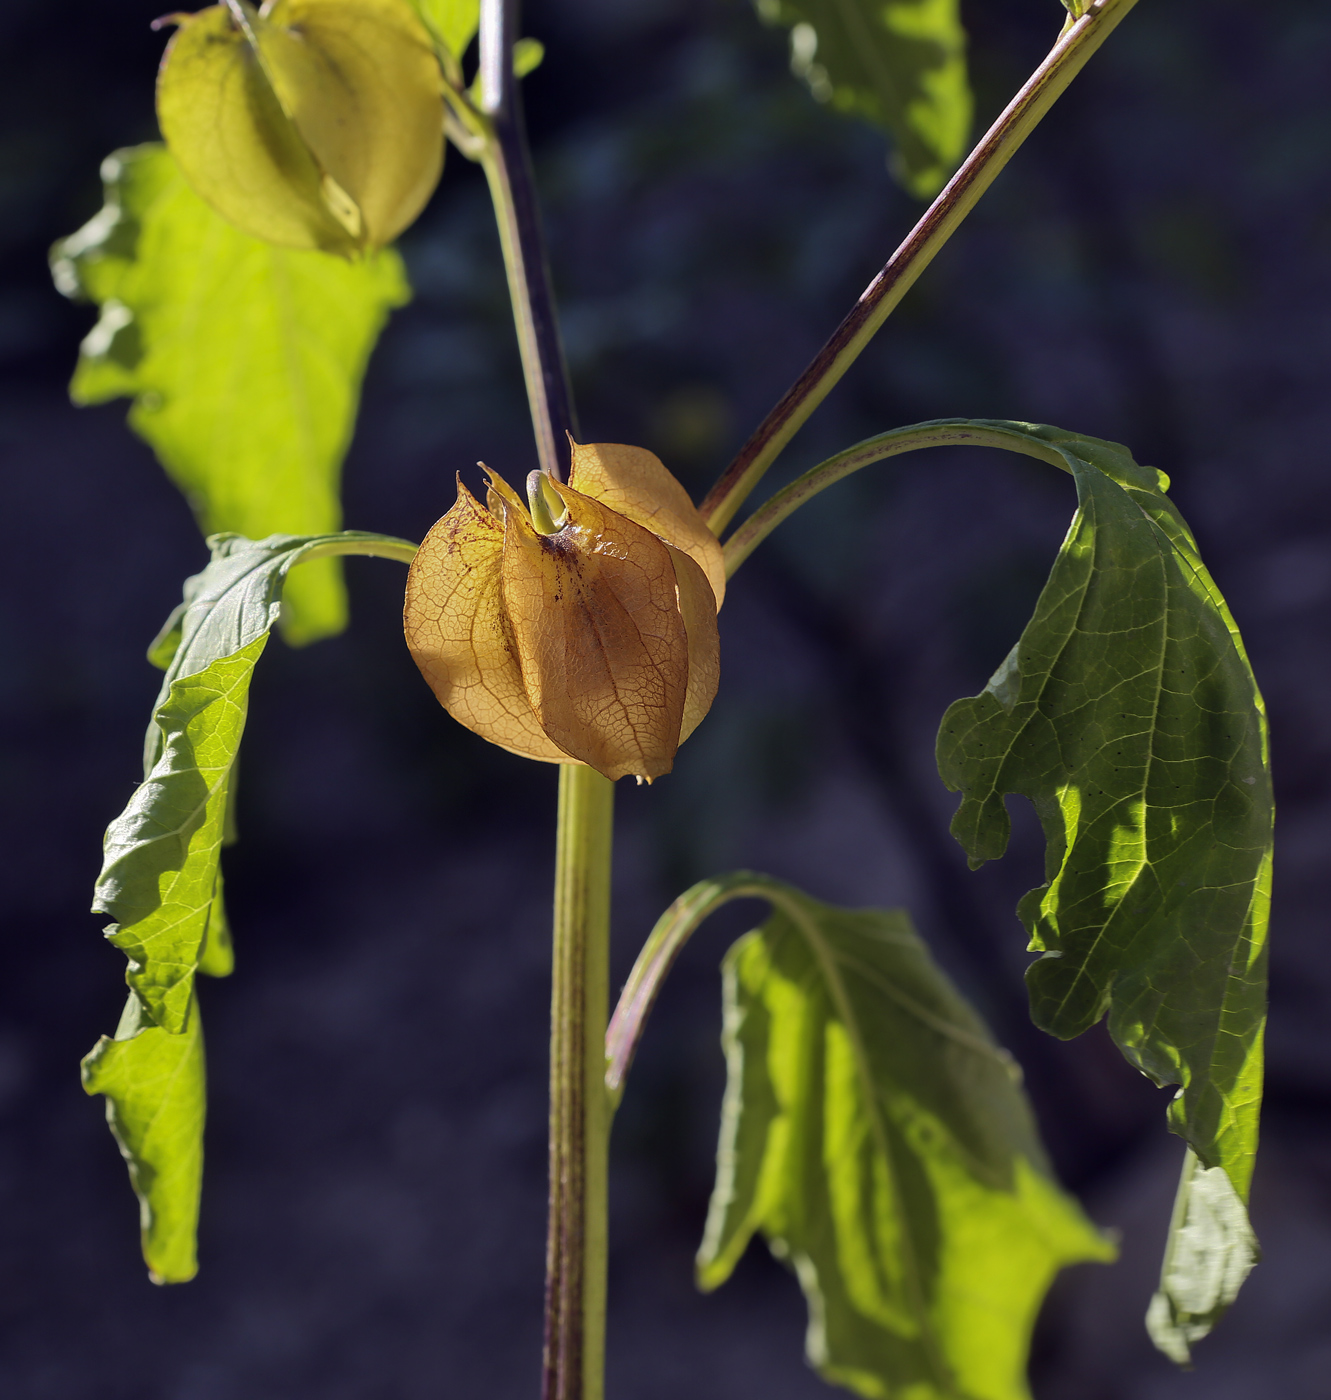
point(945, 432)
point(1021, 116)
point(507, 164)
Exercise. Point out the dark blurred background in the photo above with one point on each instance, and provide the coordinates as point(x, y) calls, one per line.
point(1155, 268)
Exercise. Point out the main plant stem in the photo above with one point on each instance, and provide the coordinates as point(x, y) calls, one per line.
point(574, 1361)
point(579, 1104)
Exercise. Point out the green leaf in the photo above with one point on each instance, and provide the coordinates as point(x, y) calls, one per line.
point(244, 361)
point(154, 1087)
point(880, 1141)
point(452, 22)
point(161, 880)
point(1128, 714)
point(900, 64)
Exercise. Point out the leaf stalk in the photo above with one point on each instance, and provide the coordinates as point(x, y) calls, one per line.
point(1000, 143)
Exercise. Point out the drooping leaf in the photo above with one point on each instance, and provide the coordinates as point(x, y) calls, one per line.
point(880, 1141)
point(452, 22)
point(1128, 714)
point(155, 1105)
point(900, 64)
point(161, 879)
point(244, 361)
point(307, 123)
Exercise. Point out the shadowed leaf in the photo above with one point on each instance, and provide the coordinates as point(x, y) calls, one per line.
point(900, 64)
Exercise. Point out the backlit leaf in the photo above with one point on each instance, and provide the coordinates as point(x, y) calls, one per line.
point(161, 880)
point(1127, 713)
point(900, 64)
point(880, 1141)
point(244, 361)
point(155, 1105)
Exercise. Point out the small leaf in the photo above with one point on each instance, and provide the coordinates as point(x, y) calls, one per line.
point(900, 64)
point(528, 55)
point(452, 22)
point(880, 1141)
point(244, 361)
point(1128, 714)
point(154, 1087)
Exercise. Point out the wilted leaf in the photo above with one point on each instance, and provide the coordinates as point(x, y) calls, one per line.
point(155, 1105)
point(880, 1141)
point(244, 360)
point(1129, 716)
point(315, 124)
point(900, 64)
point(159, 880)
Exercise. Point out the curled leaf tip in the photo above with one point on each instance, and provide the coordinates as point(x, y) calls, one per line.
point(576, 628)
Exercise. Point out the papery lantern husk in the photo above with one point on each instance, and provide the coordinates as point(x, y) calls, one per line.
point(320, 125)
point(596, 643)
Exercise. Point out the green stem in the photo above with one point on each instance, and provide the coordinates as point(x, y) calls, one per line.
point(946, 432)
point(1000, 143)
point(579, 1105)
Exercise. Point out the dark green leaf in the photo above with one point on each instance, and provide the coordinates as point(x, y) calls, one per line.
point(161, 879)
point(880, 1141)
point(154, 1087)
point(900, 64)
point(244, 361)
point(1128, 715)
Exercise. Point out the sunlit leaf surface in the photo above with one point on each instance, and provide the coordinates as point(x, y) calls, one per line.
point(880, 1141)
point(900, 64)
point(1128, 715)
point(244, 361)
point(161, 880)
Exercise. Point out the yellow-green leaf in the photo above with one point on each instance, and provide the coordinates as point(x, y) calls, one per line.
point(244, 360)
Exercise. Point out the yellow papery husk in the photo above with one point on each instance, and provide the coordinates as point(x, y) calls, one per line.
point(595, 644)
point(320, 127)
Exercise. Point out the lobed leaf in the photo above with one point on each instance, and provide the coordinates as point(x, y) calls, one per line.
point(1128, 714)
point(244, 361)
point(900, 64)
point(880, 1141)
point(161, 881)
